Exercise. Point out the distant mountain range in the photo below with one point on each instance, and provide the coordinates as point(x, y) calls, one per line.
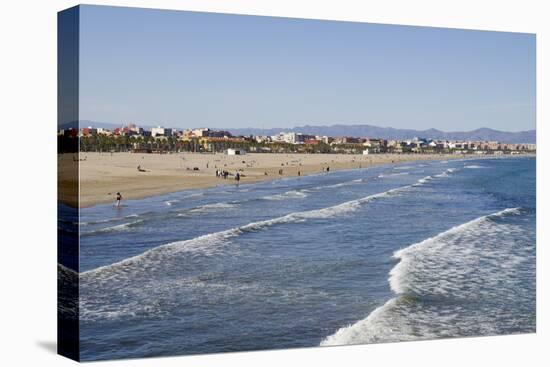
point(370, 131)
point(528, 136)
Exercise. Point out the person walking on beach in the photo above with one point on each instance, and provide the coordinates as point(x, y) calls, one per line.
point(118, 199)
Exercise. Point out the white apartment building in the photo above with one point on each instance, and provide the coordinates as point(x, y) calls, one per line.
point(160, 131)
point(289, 137)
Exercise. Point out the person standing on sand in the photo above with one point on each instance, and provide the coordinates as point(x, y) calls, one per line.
point(118, 199)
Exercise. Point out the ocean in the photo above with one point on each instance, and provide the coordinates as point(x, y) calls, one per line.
point(413, 251)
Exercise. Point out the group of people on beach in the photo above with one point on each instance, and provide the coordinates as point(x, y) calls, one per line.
point(224, 174)
point(219, 174)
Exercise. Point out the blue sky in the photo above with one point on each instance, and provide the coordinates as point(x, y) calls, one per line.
point(186, 69)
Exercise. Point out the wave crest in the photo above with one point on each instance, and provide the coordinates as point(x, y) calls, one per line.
point(448, 265)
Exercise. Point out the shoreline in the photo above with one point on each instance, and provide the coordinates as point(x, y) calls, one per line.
point(102, 175)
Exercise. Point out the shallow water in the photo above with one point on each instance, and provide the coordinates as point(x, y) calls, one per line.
point(400, 252)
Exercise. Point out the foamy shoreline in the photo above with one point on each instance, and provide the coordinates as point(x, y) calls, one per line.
point(102, 175)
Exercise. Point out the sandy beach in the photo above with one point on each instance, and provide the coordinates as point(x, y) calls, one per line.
point(102, 175)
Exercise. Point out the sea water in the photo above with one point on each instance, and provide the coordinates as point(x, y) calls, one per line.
point(400, 252)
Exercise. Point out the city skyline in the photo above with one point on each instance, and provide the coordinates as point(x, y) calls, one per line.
point(171, 67)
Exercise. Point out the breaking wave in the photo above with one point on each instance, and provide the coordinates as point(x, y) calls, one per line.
point(116, 228)
point(108, 220)
point(340, 184)
point(347, 183)
point(151, 266)
point(393, 174)
point(213, 207)
point(466, 264)
point(474, 166)
point(209, 239)
point(292, 194)
point(424, 180)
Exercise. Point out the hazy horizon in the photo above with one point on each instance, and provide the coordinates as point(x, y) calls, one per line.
point(189, 69)
point(148, 125)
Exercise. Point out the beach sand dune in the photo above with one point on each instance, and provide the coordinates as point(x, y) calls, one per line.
point(102, 175)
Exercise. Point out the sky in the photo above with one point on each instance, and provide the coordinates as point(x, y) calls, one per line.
point(190, 69)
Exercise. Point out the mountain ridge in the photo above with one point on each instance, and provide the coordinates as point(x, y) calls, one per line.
point(371, 131)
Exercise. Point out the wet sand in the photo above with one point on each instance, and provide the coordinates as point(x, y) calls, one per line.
point(102, 175)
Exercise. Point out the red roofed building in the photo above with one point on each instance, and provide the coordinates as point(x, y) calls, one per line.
point(312, 141)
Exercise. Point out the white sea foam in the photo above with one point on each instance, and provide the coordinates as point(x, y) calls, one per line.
point(393, 174)
point(340, 184)
point(465, 235)
point(67, 280)
point(474, 166)
point(422, 181)
point(469, 261)
point(446, 173)
point(107, 220)
point(347, 183)
point(194, 195)
point(425, 179)
point(292, 194)
point(207, 243)
point(150, 266)
point(213, 207)
point(118, 228)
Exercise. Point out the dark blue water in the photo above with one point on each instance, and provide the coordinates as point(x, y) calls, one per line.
point(402, 252)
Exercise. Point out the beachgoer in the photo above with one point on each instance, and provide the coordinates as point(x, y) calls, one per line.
point(118, 199)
